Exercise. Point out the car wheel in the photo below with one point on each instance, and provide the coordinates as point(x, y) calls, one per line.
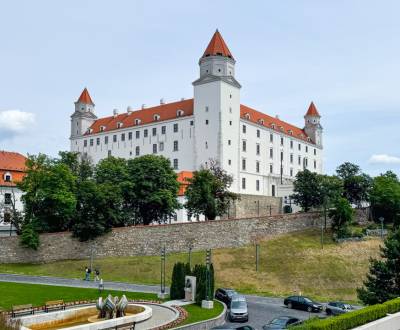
point(328, 312)
point(289, 305)
point(309, 309)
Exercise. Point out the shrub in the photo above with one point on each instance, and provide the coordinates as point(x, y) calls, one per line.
point(200, 272)
point(352, 319)
point(29, 237)
point(179, 272)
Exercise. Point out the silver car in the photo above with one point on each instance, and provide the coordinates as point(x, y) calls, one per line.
point(337, 308)
point(238, 309)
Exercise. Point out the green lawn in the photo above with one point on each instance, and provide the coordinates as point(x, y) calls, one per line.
point(288, 263)
point(197, 314)
point(35, 294)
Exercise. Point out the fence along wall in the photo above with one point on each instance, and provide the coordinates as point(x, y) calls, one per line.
point(148, 240)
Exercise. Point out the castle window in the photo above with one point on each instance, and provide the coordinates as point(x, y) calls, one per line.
point(271, 153)
point(258, 185)
point(281, 156)
point(98, 141)
point(290, 132)
point(230, 96)
point(206, 148)
point(156, 117)
point(230, 109)
point(257, 149)
point(106, 140)
point(219, 70)
point(271, 138)
point(258, 167)
point(281, 141)
point(229, 142)
point(315, 164)
point(299, 160)
point(175, 163)
point(291, 172)
point(244, 164)
point(154, 131)
point(114, 138)
point(85, 143)
point(163, 129)
point(230, 123)
point(175, 128)
point(130, 136)
point(306, 148)
point(273, 126)
point(308, 139)
point(7, 177)
point(119, 125)
point(137, 151)
point(191, 123)
point(7, 218)
point(123, 137)
point(271, 168)
point(161, 146)
point(206, 108)
point(315, 152)
point(146, 133)
point(258, 133)
point(247, 116)
point(137, 121)
point(175, 145)
point(244, 128)
point(291, 144)
point(243, 183)
point(109, 153)
point(206, 121)
point(244, 146)
point(299, 147)
point(102, 128)
point(229, 162)
point(154, 148)
point(261, 121)
point(291, 158)
point(137, 133)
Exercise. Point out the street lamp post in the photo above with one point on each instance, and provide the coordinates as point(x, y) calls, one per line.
point(257, 255)
point(162, 274)
point(208, 302)
point(381, 219)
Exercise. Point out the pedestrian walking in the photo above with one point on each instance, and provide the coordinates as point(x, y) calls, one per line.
point(101, 285)
point(97, 275)
point(87, 274)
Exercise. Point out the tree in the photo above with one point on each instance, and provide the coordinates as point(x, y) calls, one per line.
point(331, 188)
point(29, 236)
point(200, 272)
point(385, 198)
point(208, 192)
point(177, 290)
point(307, 190)
point(342, 216)
point(356, 185)
point(383, 280)
point(154, 189)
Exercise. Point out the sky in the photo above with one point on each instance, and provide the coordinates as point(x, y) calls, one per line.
point(344, 55)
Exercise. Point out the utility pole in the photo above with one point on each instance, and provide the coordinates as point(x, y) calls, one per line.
point(162, 274)
point(208, 276)
point(257, 255)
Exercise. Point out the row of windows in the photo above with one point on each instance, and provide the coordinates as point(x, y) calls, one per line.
point(258, 186)
point(244, 147)
point(244, 161)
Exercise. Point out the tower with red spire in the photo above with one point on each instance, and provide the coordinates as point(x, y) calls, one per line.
point(313, 126)
point(84, 116)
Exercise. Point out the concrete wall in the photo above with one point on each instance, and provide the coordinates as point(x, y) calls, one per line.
point(148, 240)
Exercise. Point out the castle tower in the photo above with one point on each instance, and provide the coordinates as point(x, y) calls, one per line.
point(84, 116)
point(312, 126)
point(217, 109)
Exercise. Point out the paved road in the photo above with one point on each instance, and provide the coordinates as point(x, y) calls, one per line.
point(264, 309)
point(48, 280)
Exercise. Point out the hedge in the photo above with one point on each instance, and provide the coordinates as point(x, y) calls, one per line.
point(352, 319)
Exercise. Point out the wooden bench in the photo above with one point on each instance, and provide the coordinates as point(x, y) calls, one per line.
point(22, 309)
point(54, 304)
point(126, 326)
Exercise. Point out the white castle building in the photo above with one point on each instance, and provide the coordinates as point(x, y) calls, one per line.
point(261, 152)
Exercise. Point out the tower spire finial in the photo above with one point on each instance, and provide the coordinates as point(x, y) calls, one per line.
point(85, 97)
point(217, 47)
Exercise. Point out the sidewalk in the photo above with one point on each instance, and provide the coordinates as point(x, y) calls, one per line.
point(77, 283)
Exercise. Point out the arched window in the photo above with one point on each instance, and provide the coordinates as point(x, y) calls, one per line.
point(119, 124)
point(7, 177)
point(137, 121)
point(102, 128)
point(261, 121)
point(180, 113)
point(247, 116)
point(156, 117)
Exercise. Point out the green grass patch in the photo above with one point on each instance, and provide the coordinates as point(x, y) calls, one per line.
point(37, 294)
point(197, 314)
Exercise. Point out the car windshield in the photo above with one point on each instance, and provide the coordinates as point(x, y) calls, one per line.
point(347, 306)
point(307, 300)
point(230, 293)
point(238, 304)
point(279, 321)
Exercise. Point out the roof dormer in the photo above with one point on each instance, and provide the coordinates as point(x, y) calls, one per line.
point(261, 121)
point(247, 116)
point(156, 117)
point(137, 121)
point(120, 124)
point(180, 113)
point(102, 128)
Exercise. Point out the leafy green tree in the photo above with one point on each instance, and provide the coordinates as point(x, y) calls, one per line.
point(49, 194)
point(29, 236)
point(200, 272)
point(208, 192)
point(154, 189)
point(307, 190)
point(356, 185)
point(177, 290)
point(331, 188)
point(383, 280)
point(385, 198)
point(342, 216)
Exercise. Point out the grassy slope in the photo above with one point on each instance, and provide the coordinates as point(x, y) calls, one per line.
point(197, 314)
point(288, 263)
point(19, 294)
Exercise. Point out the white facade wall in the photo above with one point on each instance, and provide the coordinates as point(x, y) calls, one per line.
point(16, 196)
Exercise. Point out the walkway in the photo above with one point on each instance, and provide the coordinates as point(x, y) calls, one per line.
point(77, 283)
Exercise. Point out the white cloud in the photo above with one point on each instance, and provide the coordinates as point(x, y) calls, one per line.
point(384, 159)
point(15, 122)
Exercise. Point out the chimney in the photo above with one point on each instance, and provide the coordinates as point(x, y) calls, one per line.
point(143, 106)
point(129, 110)
point(115, 112)
point(182, 99)
point(162, 101)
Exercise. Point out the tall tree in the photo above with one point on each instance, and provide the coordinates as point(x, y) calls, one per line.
point(307, 190)
point(356, 185)
point(341, 215)
point(383, 280)
point(154, 189)
point(208, 192)
point(385, 198)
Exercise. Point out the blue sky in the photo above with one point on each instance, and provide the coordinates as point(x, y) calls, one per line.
point(343, 55)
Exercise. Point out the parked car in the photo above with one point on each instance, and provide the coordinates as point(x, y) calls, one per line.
point(304, 303)
point(238, 309)
point(337, 308)
point(282, 322)
point(230, 326)
point(225, 295)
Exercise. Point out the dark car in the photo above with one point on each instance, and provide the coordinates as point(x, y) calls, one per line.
point(282, 322)
point(229, 327)
point(225, 295)
point(304, 303)
point(337, 308)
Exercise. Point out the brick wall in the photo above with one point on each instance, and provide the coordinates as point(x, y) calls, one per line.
point(147, 240)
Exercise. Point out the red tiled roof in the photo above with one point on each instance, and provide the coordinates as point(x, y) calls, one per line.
point(183, 177)
point(85, 97)
point(312, 110)
point(14, 163)
point(217, 46)
point(146, 116)
point(272, 122)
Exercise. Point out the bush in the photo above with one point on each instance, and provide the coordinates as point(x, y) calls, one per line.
point(352, 319)
point(177, 290)
point(29, 237)
point(200, 272)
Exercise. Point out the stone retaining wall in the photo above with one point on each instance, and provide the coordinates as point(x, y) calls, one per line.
point(148, 240)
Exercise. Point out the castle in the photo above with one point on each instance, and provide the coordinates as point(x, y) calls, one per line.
point(261, 152)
